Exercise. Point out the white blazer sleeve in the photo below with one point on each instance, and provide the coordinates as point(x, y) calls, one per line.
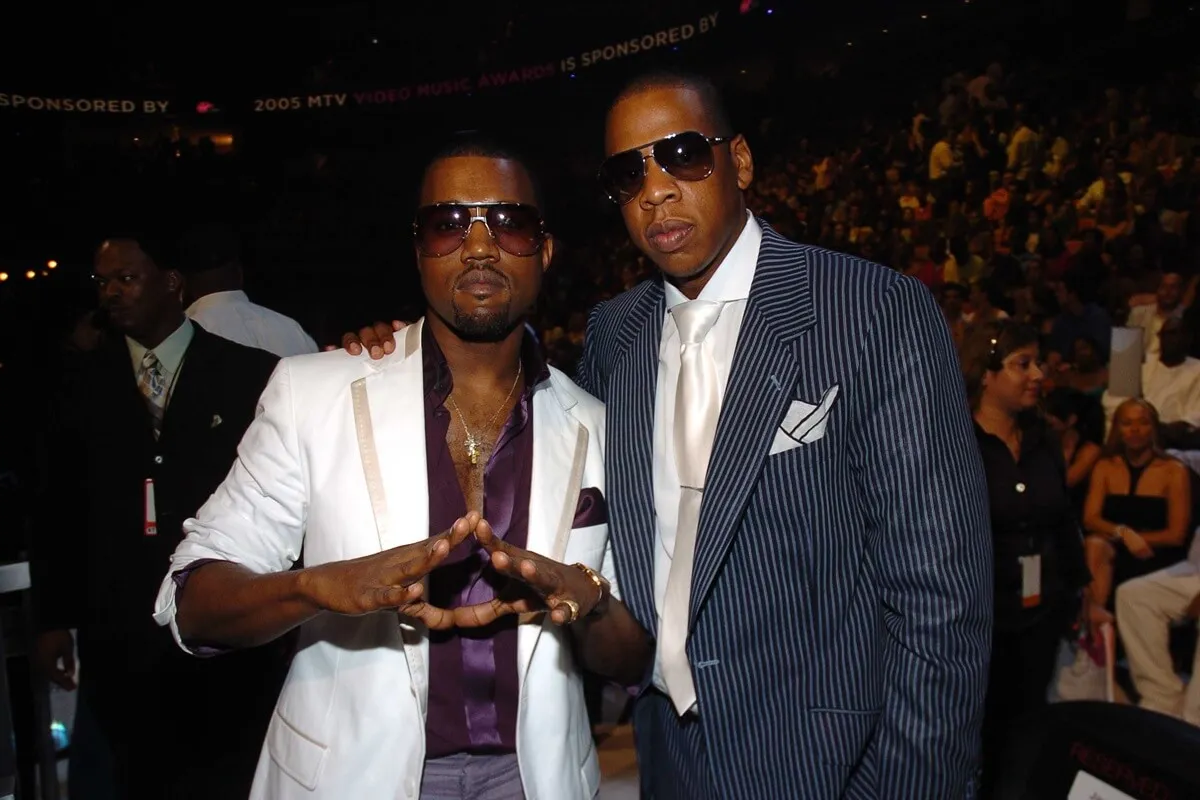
point(256, 516)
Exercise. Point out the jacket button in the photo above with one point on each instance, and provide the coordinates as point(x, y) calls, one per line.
point(1020, 488)
point(158, 459)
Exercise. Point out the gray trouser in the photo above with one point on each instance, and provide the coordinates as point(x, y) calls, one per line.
point(468, 777)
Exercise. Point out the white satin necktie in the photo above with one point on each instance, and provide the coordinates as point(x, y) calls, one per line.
point(697, 407)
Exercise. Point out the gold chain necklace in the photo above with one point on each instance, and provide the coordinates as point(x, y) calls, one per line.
point(472, 443)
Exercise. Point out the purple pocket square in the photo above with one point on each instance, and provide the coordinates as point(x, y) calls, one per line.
point(592, 509)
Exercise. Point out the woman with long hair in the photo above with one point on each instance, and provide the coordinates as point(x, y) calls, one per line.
point(1039, 564)
point(1088, 373)
point(1138, 505)
point(1078, 421)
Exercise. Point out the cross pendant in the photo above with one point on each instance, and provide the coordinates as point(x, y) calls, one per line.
point(472, 449)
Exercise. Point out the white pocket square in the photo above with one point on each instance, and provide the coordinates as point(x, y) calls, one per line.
point(216, 420)
point(804, 423)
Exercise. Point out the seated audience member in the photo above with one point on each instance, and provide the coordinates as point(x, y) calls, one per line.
point(952, 296)
point(1070, 415)
point(1078, 316)
point(1171, 383)
point(1146, 608)
point(986, 298)
point(1151, 316)
point(1138, 505)
point(1087, 374)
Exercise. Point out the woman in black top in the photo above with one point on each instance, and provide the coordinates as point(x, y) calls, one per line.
point(1139, 505)
point(1039, 560)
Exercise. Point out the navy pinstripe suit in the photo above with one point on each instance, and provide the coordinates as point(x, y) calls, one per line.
point(841, 596)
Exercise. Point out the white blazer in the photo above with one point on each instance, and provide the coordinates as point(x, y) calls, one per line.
point(334, 467)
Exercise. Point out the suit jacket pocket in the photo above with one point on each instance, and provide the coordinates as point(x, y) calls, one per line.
point(808, 456)
point(843, 736)
point(300, 757)
point(591, 510)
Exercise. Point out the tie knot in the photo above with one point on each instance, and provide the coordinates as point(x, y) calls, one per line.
point(149, 360)
point(695, 319)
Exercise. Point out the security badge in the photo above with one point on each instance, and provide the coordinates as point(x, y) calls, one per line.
point(150, 520)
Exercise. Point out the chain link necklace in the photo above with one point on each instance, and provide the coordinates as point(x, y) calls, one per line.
point(473, 444)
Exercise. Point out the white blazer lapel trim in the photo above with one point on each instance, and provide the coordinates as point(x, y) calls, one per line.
point(414, 636)
point(558, 463)
point(571, 502)
point(367, 441)
point(370, 458)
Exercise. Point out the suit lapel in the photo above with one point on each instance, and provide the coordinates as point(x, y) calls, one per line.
point(391, 447)
point(185, 403)
point(559, 451)
point(125, 395)
point(556, 448)
point(630, 395)
point(761, 386)
point(395, 444)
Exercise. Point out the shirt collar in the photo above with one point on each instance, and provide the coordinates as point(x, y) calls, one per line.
point(733, 277)
point(170, 351)
point(1033, 432)
point(217, 299)
point(440, 382)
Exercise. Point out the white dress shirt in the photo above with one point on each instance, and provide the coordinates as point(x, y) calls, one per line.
point(232, 316)
point(1173, 391)
point(1148, 318)
point(170, 353)
point(730, 286)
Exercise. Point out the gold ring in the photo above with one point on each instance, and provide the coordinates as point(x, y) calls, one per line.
point(573, 606)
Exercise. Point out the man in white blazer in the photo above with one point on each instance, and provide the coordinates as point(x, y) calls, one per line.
point(437, 652)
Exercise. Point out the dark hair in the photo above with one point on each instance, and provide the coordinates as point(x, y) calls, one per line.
point(160, 249)
point(1087, 339)
point(1062, 403)
point(209, 246)
point(1076, 283)
point(710, 96)
point(985, 349)
point(484, 145)
point(992, 291)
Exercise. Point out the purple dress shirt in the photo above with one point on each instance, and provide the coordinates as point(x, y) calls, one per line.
point(473, 686)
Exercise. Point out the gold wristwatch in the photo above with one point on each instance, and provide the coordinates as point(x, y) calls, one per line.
point(601, 584)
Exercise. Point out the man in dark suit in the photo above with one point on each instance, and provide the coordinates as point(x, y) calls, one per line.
point(797, 503)
point(146, 428)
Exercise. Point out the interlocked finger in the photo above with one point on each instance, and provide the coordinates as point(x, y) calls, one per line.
point(434, 618)
point(391, 597)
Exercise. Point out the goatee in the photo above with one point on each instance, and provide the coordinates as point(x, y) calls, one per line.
point(483, 326)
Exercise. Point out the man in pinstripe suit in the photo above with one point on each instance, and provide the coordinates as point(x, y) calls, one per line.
point(836, 623)
point(824, 617)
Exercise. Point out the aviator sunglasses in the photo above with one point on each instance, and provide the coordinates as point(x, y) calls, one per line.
point(686, 156)
point(441, 228)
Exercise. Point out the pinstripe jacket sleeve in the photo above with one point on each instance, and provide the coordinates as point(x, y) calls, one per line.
point(929, 543)
point(586, 374)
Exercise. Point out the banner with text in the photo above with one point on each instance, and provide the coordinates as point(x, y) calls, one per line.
point(572, 66)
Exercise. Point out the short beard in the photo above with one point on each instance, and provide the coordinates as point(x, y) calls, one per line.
point(483, 327)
